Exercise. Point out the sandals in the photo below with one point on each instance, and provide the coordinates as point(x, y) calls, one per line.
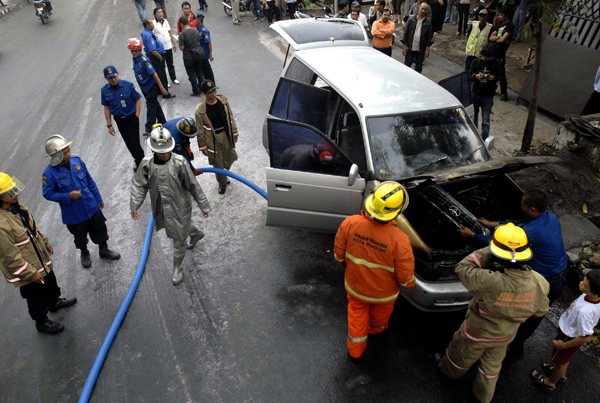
point(548, 368)
point(540, 379)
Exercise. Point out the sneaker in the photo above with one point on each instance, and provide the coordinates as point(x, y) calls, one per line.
point(237, 23)
point(169, 85)
point(168, 96)
point(176, 81)
point(62, 303)
point(222, 191)
point(49, 327)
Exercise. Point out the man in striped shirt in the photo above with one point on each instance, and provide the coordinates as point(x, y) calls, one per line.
point(25, 258)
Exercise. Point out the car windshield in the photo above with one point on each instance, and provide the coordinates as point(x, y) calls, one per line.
point(417, 143)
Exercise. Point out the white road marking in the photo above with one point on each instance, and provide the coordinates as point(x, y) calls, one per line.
point(105, 36)
point(82, 125)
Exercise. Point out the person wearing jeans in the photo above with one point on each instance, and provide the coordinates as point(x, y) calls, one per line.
point(519, 20)
point(203, 5)
point(485, 73)
point(258, 10)
point(452, 5)
point(140, 6)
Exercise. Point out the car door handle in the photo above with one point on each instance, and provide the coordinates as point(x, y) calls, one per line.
point(283, 188)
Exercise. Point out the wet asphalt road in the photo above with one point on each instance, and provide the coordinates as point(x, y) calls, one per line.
point(261, 314)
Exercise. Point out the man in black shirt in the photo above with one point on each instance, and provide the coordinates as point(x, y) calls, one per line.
point(193, 55)
point(502, 37)
point(485, 73)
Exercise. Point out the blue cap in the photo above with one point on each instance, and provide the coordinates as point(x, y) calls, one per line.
point(110, 71)
point(200, 15)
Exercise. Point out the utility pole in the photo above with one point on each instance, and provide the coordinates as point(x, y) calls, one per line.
point(335, 6)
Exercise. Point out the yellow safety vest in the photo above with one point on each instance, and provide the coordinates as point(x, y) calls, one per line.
point(478, 39)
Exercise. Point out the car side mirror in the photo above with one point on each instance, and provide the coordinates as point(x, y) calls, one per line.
point(489, 142)
point(353, 174)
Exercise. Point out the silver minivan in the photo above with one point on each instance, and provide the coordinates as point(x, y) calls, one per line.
point(345, 117)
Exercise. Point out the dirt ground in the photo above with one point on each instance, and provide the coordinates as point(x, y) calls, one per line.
point(572, 184)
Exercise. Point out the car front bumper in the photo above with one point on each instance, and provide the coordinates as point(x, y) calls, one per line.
point(437, 297)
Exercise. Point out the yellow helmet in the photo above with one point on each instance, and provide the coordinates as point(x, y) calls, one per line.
point(510, 243)
point(9, 187)
point(386, 201)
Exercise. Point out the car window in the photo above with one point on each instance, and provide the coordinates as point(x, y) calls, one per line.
point(319, 30)
point(302, 103)
point(349, 136)
point(301, 148)
point(298, 71)
point(413, 144)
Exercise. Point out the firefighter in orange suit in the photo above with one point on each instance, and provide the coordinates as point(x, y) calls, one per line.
point(505, 293)
point(378, 259)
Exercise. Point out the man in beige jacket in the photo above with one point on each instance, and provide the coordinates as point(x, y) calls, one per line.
point(505, 293)
point(25, 258)
point(218, 134)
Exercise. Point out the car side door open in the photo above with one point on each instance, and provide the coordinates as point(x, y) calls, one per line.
point(311, 183)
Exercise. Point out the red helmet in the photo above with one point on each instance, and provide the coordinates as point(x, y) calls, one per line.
point(134, 44)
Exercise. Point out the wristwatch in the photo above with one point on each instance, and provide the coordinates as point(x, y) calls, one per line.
point(108, 125)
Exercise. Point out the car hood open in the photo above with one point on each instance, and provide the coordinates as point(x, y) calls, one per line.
point(492, 167)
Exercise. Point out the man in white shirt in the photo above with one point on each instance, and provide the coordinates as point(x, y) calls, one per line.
point(162, 30)
point(361, 17)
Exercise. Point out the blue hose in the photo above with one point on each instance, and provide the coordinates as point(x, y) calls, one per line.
point(93, 375)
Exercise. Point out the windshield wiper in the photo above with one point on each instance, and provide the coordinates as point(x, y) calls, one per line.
point(423, 169)
point(470, 155)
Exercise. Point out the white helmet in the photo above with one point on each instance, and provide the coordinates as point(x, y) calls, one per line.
point(160, 140)
point(54, 146)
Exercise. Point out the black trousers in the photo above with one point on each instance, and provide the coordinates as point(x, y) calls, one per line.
point(273, 9)
point(463, 17)
point(129, 127)
point(469, 61)
point(159, 66)
point(386, 51)
point(154, 112)
point(207, 71)
point(557, 284)
point(194, 73)
point(417, 57)
point(503, 83)
point(291, 10)
point(592, 105)
point(95, 227)
point(168, 56)
point(40, 296)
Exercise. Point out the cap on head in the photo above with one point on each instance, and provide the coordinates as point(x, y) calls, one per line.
point(510, 243)
point(386, 201)
point(483, 11)
point(134, 44)
point(9, 187)
point(208, 86)
point(160, 140)
point(110, 71)
point(187, 127)
point(54, 146)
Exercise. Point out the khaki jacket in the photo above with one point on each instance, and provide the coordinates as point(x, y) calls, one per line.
point(206, 136)
point(18, 258)
point(501, 301)
point(172, 186)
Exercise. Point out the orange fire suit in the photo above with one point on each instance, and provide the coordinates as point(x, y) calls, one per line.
point(501, 302)
point(379, 260)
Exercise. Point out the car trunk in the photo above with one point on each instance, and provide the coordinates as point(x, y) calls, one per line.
point(436, 212)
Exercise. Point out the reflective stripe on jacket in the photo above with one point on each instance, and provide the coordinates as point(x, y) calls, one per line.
point(59, 181)
point(18, 258)
point(501, 300)
point(378, 257)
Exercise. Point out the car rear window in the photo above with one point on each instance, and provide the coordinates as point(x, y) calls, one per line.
point(322, 30)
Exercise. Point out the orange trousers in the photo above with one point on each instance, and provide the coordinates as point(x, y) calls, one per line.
point(363, 319)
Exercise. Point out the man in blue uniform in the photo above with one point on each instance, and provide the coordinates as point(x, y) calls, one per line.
point(549, 256)
point(206, 44)
point(149, 83)
point(121, 100)
point(67, 181)
point(182, 130)
point(155, 51)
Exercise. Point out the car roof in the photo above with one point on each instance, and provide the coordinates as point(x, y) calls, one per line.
point(381, 84)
